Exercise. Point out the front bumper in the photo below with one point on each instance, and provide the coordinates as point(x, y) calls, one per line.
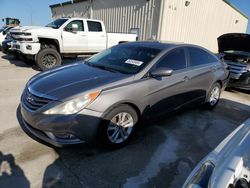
point(29, 48)
point(61, 130)
point(242, 83)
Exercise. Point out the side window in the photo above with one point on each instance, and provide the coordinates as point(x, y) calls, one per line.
point(175, 60)
point(77, 22)
point(200, 57)
point(94, 26)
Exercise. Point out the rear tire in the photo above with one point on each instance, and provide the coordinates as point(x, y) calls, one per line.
point(213, 96)
point(118, 127)
point(48, 58)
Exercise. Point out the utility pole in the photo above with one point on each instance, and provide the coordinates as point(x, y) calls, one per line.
point(31, 19)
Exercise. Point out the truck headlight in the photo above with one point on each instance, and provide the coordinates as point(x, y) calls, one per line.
point(202, 176)
point(74, 105)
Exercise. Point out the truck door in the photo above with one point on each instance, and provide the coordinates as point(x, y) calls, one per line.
point(75, 41)
point(96, 36)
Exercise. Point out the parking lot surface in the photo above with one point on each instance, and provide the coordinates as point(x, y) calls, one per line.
point(162, 154)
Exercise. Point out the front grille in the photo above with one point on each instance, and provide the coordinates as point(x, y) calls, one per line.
point(34, 102)
point(20, 36)
point(236, 69)
point(16, 33)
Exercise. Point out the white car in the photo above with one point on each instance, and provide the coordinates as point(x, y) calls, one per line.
point(64, 37)
point(3, 34)
point(227, 166)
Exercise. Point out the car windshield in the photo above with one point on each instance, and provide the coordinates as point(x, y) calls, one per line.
point(124, 58)
point(56, 23)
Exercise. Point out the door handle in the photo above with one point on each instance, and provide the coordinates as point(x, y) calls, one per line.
point(186, 78)
point(83, 35)
point(102, 35)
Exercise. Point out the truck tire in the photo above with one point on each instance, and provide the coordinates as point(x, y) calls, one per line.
point(48, 58)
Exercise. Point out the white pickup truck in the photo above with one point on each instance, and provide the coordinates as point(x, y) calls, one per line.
point(64, 37)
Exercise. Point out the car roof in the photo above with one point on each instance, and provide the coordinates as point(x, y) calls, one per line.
point(151, 44)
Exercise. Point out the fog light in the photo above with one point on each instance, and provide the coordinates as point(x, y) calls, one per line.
point(55, 136)
point(29, 47)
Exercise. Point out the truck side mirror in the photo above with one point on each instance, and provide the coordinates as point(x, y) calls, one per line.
point(74, 28)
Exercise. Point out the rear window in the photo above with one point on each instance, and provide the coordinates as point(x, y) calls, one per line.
point(200, 57)
point(94, 26)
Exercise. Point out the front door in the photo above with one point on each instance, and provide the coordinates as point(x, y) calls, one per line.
point(170, 93)
point(75, 42)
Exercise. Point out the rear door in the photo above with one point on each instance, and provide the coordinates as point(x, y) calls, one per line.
point(96, 36)
point(75, 41)
point(170, 93)
point(201, 69)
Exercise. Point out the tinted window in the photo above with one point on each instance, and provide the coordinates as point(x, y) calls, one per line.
point(174, 60)
point(200, 57)
point(124, 58)
point(94, 26)
point(77, 22)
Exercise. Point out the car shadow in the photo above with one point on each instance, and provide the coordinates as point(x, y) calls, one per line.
point(14, 61)
point(162, 153)
point(28, 63)
point(11, 175)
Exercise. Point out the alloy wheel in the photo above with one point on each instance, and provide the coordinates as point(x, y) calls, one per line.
point(49, 60)
point(120, 127)
point(215, 95)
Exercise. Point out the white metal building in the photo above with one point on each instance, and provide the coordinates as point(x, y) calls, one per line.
point(189, 21)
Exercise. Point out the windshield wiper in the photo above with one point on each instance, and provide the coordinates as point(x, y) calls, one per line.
point(101, 67)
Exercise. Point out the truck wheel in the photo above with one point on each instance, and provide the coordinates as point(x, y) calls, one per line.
point(48, 58)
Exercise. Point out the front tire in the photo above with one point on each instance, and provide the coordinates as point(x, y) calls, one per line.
point(213, 96)
point(48, 58)
point(118, 126)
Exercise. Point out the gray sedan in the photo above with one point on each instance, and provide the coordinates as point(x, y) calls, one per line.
point(106, 96)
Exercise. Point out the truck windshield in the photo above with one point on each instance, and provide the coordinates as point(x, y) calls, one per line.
point(56, 23)
point(125, 59)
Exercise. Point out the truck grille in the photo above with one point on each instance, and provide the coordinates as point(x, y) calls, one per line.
point(236, 69)
point(34, 102)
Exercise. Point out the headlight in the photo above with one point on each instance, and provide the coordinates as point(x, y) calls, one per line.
point(202, 176)
point(74, 105)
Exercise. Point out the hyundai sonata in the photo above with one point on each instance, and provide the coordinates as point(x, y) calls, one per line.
point(104, 97)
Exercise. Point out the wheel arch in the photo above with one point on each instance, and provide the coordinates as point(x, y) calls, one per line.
point(129, 103)
point(220, 82)
point(50, 41)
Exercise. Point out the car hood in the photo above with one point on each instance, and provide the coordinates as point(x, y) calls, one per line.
point(234, 41)
point(67, 81)
point(29, 28)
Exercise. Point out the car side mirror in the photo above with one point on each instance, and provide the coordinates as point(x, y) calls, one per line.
point(4, 32)
point(74, 28)
point(161, 72)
